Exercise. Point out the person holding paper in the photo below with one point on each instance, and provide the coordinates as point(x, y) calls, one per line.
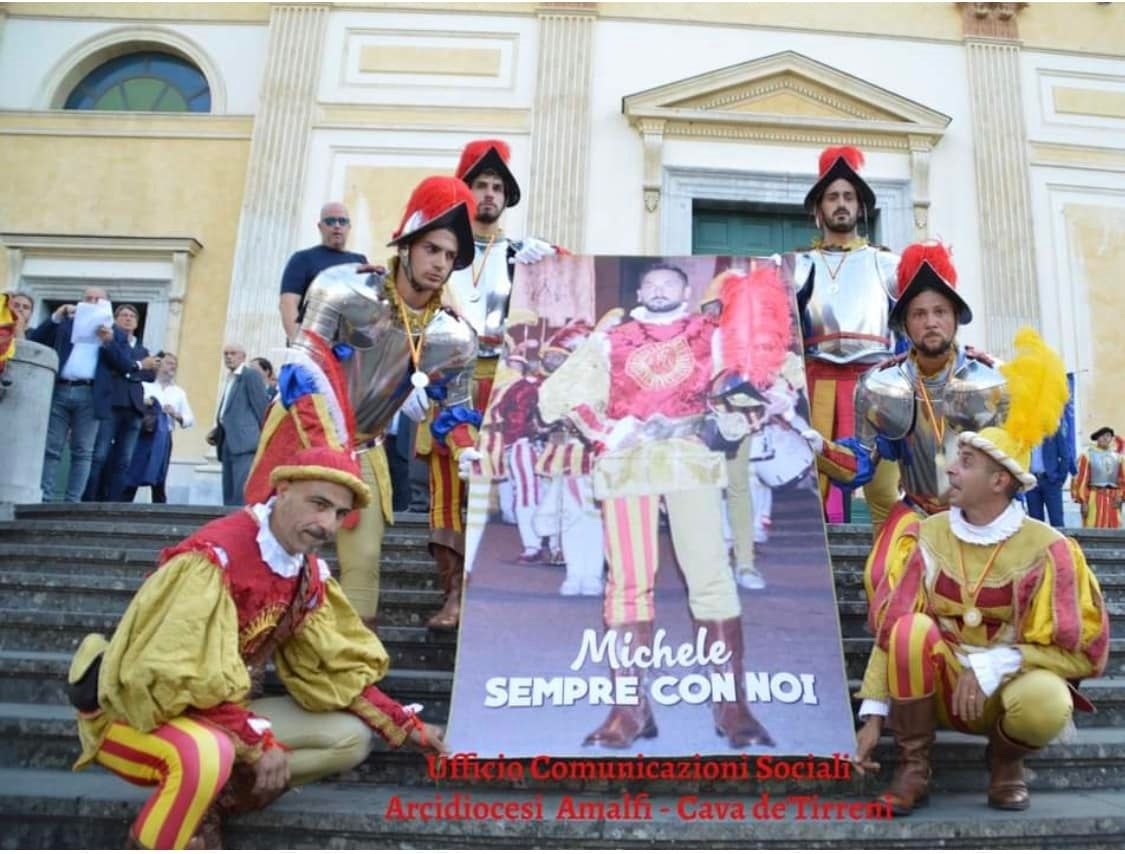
point(120, 412)
point(83, 377)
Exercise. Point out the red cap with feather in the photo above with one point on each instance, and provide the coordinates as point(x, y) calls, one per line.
point(927, 267)
point(840, 161)
point(439, 202)
point(489, 155)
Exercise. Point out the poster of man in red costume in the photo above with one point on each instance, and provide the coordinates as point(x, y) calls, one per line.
point(658, 389)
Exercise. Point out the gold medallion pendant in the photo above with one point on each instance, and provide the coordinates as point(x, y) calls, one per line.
point(972, 618)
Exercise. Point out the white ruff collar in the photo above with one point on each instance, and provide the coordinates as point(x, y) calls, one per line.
point(273, 553)
point(645, 316)
point(1000, 528)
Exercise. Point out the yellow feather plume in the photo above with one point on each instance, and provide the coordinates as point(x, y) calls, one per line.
point(1037, 390)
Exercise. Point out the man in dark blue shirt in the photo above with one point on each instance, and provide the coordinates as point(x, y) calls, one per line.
point(304, 266)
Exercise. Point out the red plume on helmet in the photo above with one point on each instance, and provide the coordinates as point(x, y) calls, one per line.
point(923, 267)
point(439, 202)
point(840, 161)
point(489, 155)
point(755, 323)
point(852, 156)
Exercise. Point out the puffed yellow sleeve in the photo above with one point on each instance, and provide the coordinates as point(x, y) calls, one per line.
point(333, 656)
point(333, 663)
point(875, 685)
point(1066, 627)
point(580, 387)
point(175, 648)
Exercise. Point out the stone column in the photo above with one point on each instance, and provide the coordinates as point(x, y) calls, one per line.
point(560, 134)
point(275, 177)
point(1011, 294)
point(24, 411)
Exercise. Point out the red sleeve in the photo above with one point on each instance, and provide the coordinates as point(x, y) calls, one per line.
point(384, 715)
point(234, 720)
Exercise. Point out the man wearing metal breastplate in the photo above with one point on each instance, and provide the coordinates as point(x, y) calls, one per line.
point(1098, 486)
point(845, 291)
point(638, 394)
point(479, 292)
point(912, 409)
point(367, 344)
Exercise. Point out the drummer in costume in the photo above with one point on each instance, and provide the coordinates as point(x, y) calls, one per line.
point(1099, 485)
point(912, 410)
point(479, 292)
point(354, 364)
point(845, 291)
point(993, 616)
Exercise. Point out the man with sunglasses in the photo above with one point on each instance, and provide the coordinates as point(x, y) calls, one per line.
point(304, 266)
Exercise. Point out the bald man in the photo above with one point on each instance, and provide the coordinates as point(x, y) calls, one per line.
point(334, 225)
point(238, 422)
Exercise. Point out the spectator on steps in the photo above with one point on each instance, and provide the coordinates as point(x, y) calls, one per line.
point(166, 407)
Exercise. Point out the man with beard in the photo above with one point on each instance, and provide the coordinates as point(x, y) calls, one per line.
point(638, 393)
point(912, 410)
point(367, 344)
point(479, 293)
point(163, 703)
point(993, 616)
point(845, 291)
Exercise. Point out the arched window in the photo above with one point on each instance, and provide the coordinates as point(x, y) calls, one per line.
point(147, 81)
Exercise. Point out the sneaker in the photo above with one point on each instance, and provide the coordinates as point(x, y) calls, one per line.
point(528, 558)
point(593, 588)
point(556, 558)
point(749, 578)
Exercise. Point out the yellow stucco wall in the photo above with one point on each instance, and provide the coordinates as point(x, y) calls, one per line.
point(1097, 239)
point(148, 187)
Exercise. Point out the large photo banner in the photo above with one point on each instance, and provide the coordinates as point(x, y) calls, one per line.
point(652, 574)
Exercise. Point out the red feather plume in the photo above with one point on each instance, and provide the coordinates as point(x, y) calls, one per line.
point(476, 149)
point(756, 324)
point(933, 253)
point(852, 156)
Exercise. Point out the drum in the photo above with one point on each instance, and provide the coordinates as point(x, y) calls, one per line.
point(781, 455)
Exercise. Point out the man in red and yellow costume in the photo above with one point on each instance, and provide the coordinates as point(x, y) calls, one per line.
point(993, 615)
point(638, 393)
point(845, 292)
point(480, 293)
point(1099, 485)
point(165, 702)
point(369, 342)
point(913, 409)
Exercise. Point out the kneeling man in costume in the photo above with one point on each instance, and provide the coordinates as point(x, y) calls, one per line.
point(993, 616)
point(164, 702)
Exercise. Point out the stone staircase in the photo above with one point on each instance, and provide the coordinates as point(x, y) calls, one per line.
point(68, 570)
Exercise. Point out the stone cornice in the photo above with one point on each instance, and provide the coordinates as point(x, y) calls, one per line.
point(721, 104)
point(83, 244)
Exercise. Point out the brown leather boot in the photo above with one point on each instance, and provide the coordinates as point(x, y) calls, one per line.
point(1007, 789)
point(625, 724)
point(914, 722)
point(451, 566)
point(733, 719)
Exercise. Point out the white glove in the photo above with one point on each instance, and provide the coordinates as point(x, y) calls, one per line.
point(465, 462)
point(533, 250)
point(815, 440)
point(417, 405)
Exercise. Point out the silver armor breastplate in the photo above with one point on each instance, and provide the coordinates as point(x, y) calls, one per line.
point(1104, 466)
point(353, 308)
point(485, 305)
point(888, 403)
point(848, 304)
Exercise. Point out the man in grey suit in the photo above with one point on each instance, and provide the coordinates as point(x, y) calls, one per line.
point(238, 422)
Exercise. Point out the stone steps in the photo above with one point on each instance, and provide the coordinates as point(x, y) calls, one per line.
point(53, 590)
point(54, 809)
point(41, 735)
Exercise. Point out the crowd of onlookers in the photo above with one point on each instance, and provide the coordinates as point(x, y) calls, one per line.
point(116, 406)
